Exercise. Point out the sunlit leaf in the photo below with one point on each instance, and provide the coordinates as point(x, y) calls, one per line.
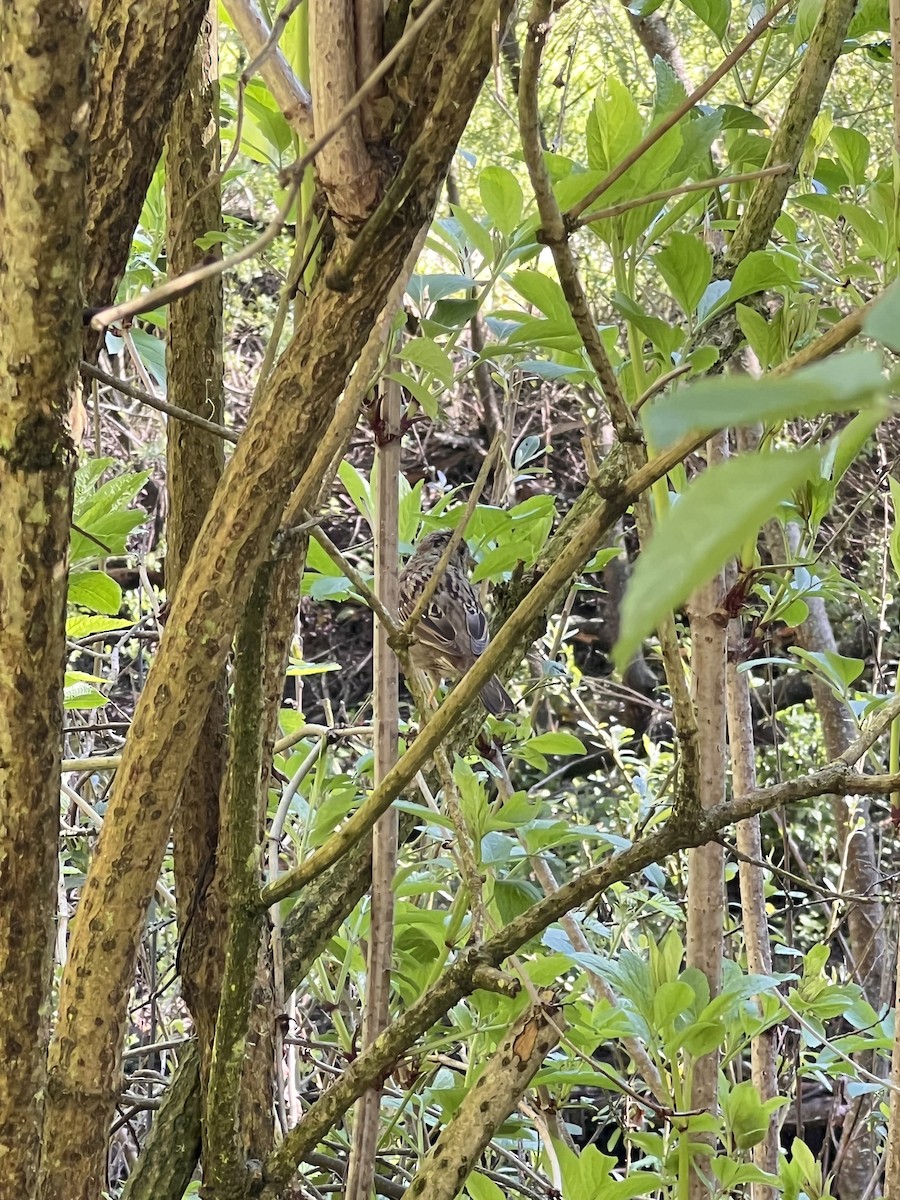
point(842, 384)
point(710, 524)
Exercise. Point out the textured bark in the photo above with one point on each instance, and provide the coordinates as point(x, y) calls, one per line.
point(243, 811)
point(195, 460)
point(763, 1058)
point(43, 128)
point(345, 169)
point(495, 1094)
point(143, 51)
point(706, 864)
point(865, 919)
point(272, 454)
point(169, 1155)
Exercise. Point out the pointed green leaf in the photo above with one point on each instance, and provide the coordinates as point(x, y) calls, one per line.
point(883, 322)
point(708, 525)
point(425, 352)
point(686, 266)
point(96, 591)
point(761, 270)
point(502, 198)
point(714, 14)
point(843, 383)
point(475, 235)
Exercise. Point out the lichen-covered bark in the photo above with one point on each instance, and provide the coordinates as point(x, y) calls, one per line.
point(43, 122)
point(142, 53)
point(195, 461)
point(486, 1105)
point(283, 430)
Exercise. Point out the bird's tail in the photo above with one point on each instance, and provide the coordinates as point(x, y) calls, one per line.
point(496, 699)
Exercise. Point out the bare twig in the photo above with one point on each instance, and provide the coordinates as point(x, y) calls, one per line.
point(701, 185)
point(554, 230)
point(288, 92)
point(376, 1015)
point(163, 406)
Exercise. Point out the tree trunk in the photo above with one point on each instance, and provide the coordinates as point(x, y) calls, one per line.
point(43, 128)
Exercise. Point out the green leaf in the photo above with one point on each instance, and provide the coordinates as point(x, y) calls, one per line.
point(853, 153)
point(80, 625)
point(672, 999)
point(502, 198)
point(883, 322)
point(79, 692)
point(480, 1187)
point(843, 383)
point(424, 352)
point(419, 391)
point(702, 1037)
point(872, 234)
point(357, 488)
point(152, 353)
point(475, 235)
point(614, 126)
point(665, 337)
point(709, 524)
point(756, 330)
point(557, 743)
point(837, 669)
point(894, 543)
point(715, 14)
point(761, 270)
point(544, 293)
point(805, 18)
point(96, 591)
point(498, 561)
point(746, 1115)
point(429, 289)
point(686, 266)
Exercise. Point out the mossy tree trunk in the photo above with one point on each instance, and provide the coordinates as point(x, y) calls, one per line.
point(43, 126)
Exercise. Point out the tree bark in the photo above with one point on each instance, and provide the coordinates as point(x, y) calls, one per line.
point(143, 51)
point(195, 460)
point(43, 134)
point(272, 454)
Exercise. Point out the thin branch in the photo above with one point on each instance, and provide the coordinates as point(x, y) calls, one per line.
point(554, 231)
point(789, 139)
point(385, 836)
point(163, 406)
point(357, 580)
point(702, 185)
point(287, 91)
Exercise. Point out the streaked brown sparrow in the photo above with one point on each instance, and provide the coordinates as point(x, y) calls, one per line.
point(453, 630)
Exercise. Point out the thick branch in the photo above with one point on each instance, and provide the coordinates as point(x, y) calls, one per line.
point(43, 134)
point(804, 102)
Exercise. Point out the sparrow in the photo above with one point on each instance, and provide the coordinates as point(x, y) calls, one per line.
point(453, 630)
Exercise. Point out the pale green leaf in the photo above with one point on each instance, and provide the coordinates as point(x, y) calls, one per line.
point(686, 266)
point(96, 591)
point(709, 524)
point(714, 14)
point(424, 352)
point(502, 198)
point(883, 322)
point(843, 383)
